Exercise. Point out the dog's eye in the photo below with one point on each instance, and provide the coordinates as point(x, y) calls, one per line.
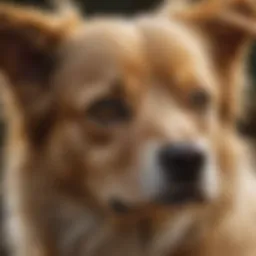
point(109, 111)
point(199, 100)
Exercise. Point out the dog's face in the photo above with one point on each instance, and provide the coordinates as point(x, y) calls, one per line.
point(135, 138)
point(132, 113)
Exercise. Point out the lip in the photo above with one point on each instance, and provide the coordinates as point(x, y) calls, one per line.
point(180, 195)
point(118, 206)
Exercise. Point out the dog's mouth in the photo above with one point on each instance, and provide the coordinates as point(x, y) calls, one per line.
point(118, 206)
point(180, 195)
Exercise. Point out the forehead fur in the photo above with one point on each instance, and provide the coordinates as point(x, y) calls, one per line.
point(178, 55)
point(116, 38)
point(101, 52)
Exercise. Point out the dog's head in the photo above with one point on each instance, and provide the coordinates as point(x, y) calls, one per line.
point(198, 59)
point(124, 114)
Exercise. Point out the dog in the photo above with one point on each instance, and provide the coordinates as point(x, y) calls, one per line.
point(121, 133)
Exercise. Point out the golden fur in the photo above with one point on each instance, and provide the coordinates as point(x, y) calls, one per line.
point(66, 159)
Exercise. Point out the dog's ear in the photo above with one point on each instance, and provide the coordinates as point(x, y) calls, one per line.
point(29, 41)
point(229, 26)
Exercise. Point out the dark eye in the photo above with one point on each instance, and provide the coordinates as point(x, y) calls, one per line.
point(199, 100)
point(109, 111)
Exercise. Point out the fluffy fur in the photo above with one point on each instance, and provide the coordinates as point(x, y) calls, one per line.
point(70, 161)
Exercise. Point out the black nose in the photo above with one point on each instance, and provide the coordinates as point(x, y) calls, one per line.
point(182, 162)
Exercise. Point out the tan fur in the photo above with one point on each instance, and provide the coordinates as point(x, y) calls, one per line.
point(63, 168)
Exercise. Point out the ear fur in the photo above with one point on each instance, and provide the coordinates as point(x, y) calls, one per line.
point(29, 40)
point(230, 27)
point(27, 32)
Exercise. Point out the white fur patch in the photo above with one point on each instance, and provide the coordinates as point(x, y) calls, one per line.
point(151, 179)
point(16, 229)
point(209, 181)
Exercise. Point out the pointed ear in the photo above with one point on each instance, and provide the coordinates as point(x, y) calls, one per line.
point(29, 40)
point(229, 26)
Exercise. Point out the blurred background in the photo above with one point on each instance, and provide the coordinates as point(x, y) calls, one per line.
point(128, 7)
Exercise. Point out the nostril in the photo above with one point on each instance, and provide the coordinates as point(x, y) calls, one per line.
point(181, 162)
point(186, 157)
